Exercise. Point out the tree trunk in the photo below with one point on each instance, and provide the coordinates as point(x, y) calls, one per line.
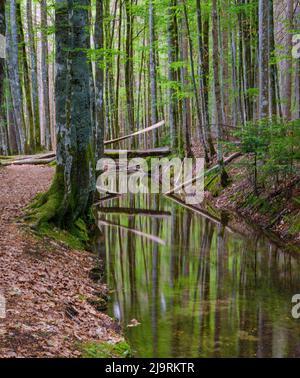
point(152, 70)
point(25, 85)
point(216, 69)
point(129, 77)
point(202, 81)
point(72, 190)
point(12, 52)
point(99, 83)
point(263, 61)
point(198, 103)
point(33, 75)
point(3, 130)
point(171, 74)
point(45, 74)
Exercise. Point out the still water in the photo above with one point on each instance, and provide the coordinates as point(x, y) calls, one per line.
point(192, 287)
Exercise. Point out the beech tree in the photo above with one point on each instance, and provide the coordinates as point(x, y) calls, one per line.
point(210, 69)
point(72, 191)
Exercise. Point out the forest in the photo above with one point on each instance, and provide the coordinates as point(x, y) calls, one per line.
point(214, 79)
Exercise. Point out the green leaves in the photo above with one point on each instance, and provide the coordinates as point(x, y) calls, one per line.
point(275, 146)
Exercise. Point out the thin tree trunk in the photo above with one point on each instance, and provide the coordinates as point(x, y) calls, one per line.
point(25, 85)
point(12, 51)
point(171, 75)
point(186, 103)
point(99, 83)
point(263, 61)
point(152, 70)
point(129, 77)
point(33, 75)
point(3, 130)
point(216, 69)
point(202, 81)
point(45, 74)
point(198, 105)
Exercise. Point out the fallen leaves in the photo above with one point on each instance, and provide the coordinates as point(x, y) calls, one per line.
point(47, 287)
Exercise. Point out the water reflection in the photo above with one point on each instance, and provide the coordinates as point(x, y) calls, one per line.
point(207, 292)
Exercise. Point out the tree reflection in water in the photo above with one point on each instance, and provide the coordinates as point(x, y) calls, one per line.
point(207, 293)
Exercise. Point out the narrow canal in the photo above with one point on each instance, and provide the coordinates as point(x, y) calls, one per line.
point(185, 286)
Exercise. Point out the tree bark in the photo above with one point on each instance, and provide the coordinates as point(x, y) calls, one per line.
point(263, 60)
point(12, 52)
point(216, 69)
point(45, 73)
point(152, 70)
point(129, 77)
point(72, 190)
point(171, 74)
point(33, 75)
point(200, 118)
point(99, 83)
point(3, 130)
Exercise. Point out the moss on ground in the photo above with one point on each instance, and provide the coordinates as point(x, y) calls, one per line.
point(42, 215)
point(106, 350)
point(295, 225)
point(66, 237)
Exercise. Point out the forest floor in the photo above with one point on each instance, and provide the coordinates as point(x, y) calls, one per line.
point(46, 286)
point(274, 208)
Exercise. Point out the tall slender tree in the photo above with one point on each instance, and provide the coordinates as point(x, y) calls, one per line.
point(45, 72)
point(263, 60)
point(152, 69)
point(129, 76)
point(12, 52)
point(3, 130)
point(199, 107)
point(99, 82)
point(217, 89)
point(171, 73)
point(33, 74)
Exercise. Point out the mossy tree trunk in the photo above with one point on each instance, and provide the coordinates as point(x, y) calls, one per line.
point(71, 193)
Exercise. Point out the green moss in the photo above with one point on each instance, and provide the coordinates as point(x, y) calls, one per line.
point(264, 206)
point(106, 350)
point(295, 225)
point(213, 185)
point(52, 164)
point(99, 304)
point(44, 213)
point(66, 237)
point(44, 207)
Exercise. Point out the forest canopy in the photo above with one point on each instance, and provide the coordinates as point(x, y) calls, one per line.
point(220, 73)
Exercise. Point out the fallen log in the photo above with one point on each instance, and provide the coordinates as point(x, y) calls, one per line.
point(134, 212)
point(201, 212)
point(29, 162)
point(178, 188)
point(45, 155)
point(161, 151)
point(153, 238)
point(107, 198)
point(50, 156)
point(148, 129)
